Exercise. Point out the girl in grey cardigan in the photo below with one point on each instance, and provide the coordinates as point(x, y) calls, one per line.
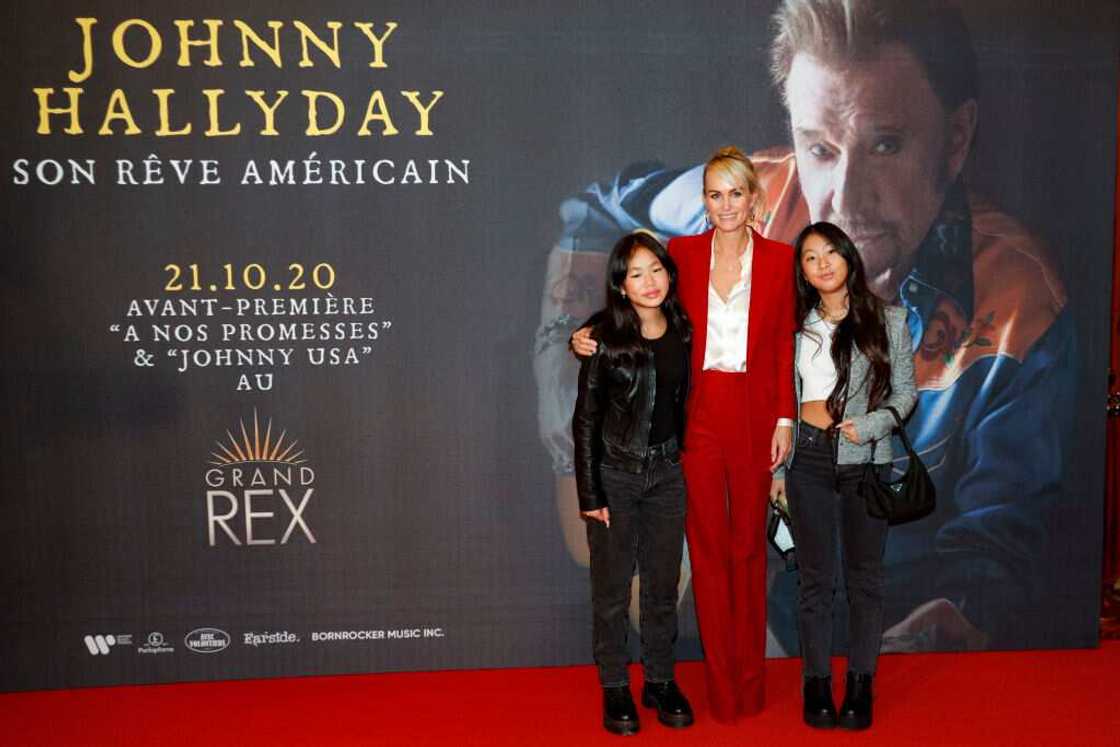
point(853, 359)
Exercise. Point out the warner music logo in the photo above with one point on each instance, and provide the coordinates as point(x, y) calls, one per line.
point(268, 639)
point(206, 640)
point(258, 489)
point(100, 645)
point(156, 644)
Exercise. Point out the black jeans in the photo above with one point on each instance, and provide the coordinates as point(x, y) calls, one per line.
point(647, 528)
point(824, 507)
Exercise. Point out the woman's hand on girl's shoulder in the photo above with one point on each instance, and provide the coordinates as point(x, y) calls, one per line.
point(582, 343)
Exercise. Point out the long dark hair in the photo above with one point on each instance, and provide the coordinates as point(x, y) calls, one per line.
point(864, 325)
point(621, 328)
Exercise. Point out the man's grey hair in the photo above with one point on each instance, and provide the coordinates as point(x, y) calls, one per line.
point(842, 31)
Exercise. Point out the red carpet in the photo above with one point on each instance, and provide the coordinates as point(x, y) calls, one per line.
point(1023, 698)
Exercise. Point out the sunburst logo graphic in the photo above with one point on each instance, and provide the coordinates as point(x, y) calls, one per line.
point(251, 478)
point(256, 449)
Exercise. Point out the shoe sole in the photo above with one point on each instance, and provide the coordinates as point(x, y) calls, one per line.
point(621, 728)
point(819, 722)
point(680, 721)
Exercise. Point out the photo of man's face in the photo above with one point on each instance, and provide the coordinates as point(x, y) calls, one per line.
point(875, 153)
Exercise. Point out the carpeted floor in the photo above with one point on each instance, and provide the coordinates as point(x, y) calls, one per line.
point(1019, 698)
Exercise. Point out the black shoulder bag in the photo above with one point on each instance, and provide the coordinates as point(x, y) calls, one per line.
point(908, 498)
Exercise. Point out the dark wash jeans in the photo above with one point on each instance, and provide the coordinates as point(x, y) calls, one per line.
point(647, 512)
point(824, 507)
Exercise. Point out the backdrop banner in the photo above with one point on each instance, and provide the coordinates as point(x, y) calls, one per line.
point(287, 288)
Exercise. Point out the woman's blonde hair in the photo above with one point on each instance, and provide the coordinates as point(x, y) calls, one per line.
point(732, 163)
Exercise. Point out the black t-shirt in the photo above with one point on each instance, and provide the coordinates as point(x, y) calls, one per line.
point(669, 360)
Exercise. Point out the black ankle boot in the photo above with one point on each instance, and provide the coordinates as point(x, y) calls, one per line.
point(619, 714)
point(855, 713)
point(671, 704)
point(819, 712)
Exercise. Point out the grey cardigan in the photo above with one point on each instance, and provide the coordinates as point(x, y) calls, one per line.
point(873, 427)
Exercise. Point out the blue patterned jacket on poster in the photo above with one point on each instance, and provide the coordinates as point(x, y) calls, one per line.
point(996, 367)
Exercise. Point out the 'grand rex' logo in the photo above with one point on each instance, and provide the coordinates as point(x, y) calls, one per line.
point(258, 489)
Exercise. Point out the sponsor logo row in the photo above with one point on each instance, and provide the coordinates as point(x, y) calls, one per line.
point(198, 641)
point(215, 640)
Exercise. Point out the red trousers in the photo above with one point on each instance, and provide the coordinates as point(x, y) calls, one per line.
point(728, 482)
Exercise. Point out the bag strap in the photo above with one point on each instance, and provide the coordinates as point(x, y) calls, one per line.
point(894, 412)
point(901, 431)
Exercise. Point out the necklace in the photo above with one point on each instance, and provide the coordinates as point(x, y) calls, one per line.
point(829, 317)
point(725, 260)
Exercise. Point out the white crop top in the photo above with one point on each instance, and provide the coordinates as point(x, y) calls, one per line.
point(814, 359)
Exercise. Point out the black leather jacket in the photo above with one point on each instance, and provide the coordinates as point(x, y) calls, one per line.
point(614, 412)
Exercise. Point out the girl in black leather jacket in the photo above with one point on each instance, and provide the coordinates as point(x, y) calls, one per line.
point(628, 426)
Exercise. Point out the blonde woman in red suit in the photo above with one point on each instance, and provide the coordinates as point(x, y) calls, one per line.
point(737, 287)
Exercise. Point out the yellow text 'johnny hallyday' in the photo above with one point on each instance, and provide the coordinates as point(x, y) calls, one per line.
point(139, 44)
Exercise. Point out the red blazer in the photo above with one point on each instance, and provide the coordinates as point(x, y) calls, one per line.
point(771, 325)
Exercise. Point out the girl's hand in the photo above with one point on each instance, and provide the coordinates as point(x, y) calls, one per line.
point(599, 514)
point(848, 428)
point(582, 344)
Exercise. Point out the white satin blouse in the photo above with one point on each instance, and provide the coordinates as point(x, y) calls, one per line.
point(726, 347)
